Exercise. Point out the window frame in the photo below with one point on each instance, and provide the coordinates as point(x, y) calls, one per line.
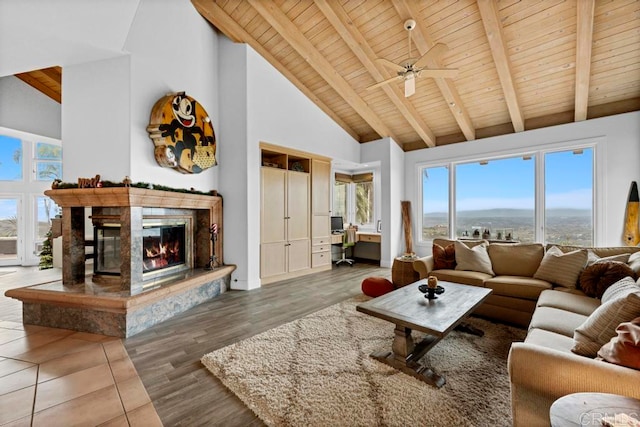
point(351, 197)
point(537, 154)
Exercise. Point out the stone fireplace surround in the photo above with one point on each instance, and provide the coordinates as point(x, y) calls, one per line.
point(128, 303)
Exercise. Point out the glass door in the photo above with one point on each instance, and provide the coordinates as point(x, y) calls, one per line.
point(9, 230)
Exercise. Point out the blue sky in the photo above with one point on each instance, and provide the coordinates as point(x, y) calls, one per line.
point(510, 183)
point(9, 169)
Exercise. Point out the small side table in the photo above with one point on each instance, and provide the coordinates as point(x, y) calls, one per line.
point(402, 272)
point(588, 409)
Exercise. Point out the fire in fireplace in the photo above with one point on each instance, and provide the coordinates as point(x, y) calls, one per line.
point(162, 247)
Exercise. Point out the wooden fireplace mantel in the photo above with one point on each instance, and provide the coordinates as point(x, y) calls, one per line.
point(130, 196)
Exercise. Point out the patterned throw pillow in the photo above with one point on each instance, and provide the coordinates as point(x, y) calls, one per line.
point(473, 259)
point(560, 268)
point(601, 325)
point(634, 262)
point(592, 257)
point(621, 288)
point(444, 258)
point(596, 278)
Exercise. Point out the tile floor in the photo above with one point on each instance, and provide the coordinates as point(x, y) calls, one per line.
point(57, 377)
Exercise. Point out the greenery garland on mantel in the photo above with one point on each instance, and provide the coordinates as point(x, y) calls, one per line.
point(59, 185)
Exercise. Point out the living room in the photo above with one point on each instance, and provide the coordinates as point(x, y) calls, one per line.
point(116, 65)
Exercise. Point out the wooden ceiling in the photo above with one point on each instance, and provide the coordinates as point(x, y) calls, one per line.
point(523, 64)
point(47, 81)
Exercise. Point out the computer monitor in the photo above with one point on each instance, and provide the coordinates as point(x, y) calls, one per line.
point(336, 224)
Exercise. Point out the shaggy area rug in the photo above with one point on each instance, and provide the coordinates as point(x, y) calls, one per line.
point(316, 371)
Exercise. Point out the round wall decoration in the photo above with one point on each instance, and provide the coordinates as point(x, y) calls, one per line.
point(182, 133)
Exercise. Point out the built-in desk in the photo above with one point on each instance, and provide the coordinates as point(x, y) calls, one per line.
point(367, 245)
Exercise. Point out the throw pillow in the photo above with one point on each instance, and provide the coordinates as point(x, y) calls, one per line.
point(473, 259)
point(444, 258)
point(596, 278)
point(624, 348)
point(621, 288)
point(560, 268)
point(592, 257)
point(601, 325)
point(634, 262)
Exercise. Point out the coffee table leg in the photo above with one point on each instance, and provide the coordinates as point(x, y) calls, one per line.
point(405, 356)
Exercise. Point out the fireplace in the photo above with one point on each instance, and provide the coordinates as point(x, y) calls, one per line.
point(165, 248)
point(166, 245)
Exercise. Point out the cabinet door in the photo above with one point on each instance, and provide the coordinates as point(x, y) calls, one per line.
point(298, 206)
point(320, 187)
point(273, 205)
point(273, 259)
point(299, 255)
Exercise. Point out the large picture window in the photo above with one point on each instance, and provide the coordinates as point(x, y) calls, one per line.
point(545, 196)
point(496, 199)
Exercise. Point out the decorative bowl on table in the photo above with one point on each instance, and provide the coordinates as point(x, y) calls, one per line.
point(430, 293)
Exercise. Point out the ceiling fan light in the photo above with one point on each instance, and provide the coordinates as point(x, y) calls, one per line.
point(409, 86)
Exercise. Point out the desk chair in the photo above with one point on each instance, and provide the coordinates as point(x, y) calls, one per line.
point(348, 241)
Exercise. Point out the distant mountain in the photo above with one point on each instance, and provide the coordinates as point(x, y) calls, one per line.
point(515, 213)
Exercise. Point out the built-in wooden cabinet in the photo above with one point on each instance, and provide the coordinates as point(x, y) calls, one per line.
point(295, 217)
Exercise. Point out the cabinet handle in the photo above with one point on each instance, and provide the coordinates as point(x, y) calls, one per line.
point(287, 217)
point(287, 244)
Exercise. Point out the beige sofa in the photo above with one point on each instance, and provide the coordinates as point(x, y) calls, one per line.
point(543, 367)
point(515, 290)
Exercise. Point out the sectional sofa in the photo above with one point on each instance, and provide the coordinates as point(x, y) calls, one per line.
point(539, 288)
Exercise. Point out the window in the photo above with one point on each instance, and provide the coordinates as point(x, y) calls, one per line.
point(10, 158)
point(568, 188)
point(498, 197)
point(48, 161)
point(435, 203)
point(364, 198)
point(353, 198)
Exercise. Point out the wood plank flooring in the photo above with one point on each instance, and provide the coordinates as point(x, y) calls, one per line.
point(167, 356)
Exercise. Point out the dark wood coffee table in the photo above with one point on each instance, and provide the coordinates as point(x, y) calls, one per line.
point(410, 310)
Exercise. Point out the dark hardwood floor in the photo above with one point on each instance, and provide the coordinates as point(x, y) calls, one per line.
point(167, 356)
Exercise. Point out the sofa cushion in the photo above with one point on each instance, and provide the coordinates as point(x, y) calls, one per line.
point(621, 288)
point(515, 260)
point(580, 304)
point(474, 278)
point(549, 339)
point(556, 320)
point(597, 277)
point(601, 325)
point(560, 268)
point(517, 286)
point(444, 257)
point(624, 348)
point(473, 259)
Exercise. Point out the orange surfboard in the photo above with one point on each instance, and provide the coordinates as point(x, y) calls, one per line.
point(631, 230)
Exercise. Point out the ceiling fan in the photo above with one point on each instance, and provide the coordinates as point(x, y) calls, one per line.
point(413, 68)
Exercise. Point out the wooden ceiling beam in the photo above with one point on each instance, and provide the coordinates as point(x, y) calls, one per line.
point(407, 9)
point(337, 16)
point(493, 29)
point(40, 86)
point(584, 38)
point(53, 73)
point(223, 22)
point(290, 32)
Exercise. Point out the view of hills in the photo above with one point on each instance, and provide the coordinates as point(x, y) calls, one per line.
point(563, 226)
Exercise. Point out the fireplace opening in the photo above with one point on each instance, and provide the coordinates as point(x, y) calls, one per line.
point(162, 247)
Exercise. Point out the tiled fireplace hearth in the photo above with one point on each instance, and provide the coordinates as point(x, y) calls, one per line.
point(151, 253)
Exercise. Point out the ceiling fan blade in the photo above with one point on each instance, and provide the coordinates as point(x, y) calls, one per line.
point(384, 82)
point(437, 50)
point(409, 86)
point(391, 65)
point(438, 72)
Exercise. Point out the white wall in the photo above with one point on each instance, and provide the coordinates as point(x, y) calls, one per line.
point(391, 183)
point(618, 156)
point(173, 49)
point(26, 109)
point(96, 120)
